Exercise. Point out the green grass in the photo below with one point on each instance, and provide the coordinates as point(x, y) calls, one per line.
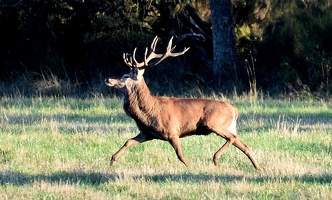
point(59, 148)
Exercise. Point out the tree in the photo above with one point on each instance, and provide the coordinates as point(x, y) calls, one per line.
point(224, 40)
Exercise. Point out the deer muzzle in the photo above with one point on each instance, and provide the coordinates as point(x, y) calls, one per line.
point(113, 82)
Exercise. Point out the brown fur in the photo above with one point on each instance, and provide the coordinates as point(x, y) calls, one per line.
point(169, 119)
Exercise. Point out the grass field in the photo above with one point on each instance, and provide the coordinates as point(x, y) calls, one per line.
point(59, 148)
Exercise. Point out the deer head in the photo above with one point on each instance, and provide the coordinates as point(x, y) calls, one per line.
point(151, 58)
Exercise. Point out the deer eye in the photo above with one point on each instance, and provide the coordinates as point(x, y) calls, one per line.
point(125, 76)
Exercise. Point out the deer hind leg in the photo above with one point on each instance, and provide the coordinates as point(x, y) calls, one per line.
point(234, 140)
point(136, 140)
point(246, 150)
point(176, 144)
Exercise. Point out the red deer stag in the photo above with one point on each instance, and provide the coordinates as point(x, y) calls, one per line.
point(168, 118)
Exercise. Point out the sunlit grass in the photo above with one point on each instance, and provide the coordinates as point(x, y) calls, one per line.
point(59, 148)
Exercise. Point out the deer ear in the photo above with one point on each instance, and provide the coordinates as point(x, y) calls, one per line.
point(137, 73)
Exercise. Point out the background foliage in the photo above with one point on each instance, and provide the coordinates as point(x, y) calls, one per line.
point(61, 47)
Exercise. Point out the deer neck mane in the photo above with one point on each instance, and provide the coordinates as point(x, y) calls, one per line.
point(139, 103)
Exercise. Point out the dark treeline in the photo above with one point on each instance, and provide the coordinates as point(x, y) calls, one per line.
point(73, 45)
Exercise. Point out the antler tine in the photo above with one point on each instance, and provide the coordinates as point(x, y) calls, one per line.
point(170, 49)
point(154, 43)
point(150, 51)
point(126, 60)
point(181, 53)
point(130, 60)
point(146, 53)
point(169, 46)
point(135, 64)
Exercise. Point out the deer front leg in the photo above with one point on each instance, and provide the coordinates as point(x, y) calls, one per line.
point(176, 144)
point(136, 140)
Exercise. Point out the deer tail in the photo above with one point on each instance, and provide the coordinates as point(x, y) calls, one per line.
point(232, 127)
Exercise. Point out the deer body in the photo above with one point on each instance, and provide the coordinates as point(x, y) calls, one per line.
point(169, 118)
point(166, 117)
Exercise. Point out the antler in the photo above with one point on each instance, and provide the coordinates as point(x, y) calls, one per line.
point(131, 61)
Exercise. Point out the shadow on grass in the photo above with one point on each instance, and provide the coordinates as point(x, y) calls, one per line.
point(320, 179)
point(75, 177)
point(85, 178)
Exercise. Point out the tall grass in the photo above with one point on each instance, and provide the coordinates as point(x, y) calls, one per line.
point(250, 68)
point(59, 148)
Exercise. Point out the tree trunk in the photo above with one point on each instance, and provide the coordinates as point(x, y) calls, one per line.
point(224, 41)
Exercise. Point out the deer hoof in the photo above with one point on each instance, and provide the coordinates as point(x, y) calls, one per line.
point(259, 169)
point(112, 160)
